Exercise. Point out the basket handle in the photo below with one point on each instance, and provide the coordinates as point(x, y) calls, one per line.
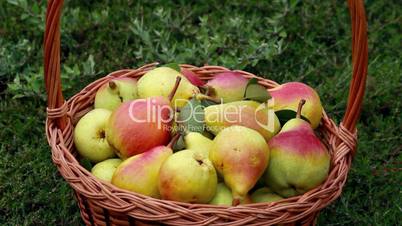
point(55, 99)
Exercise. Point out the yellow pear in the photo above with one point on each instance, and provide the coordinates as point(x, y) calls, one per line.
point(112, 94)
point(160, 82)
point(198, 142)
point(187, 176)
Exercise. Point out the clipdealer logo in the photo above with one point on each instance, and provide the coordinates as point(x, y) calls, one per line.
point(162, 114)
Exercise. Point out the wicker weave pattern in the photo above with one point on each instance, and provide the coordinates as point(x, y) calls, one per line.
point(104, 204)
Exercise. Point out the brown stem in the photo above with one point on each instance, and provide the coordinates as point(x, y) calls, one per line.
point(235, 201)
point(207, 90)
point(173, 140)
point(299, 108)
point(112, 85)
point(176, 85)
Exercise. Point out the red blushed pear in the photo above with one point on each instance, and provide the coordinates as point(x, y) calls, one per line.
point(288, 95)
point(139, 125)
point(299, 161)
point(140, 173)
point(240, 155)
point(228, 86)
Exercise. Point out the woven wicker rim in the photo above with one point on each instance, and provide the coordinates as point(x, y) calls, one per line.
point(62, 116)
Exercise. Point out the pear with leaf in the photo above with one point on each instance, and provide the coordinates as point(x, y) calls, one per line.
point(299, 161)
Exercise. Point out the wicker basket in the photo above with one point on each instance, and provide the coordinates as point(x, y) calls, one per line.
point(104, 204)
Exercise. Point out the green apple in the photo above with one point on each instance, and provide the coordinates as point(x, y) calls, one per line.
point(104, 170)
point(115, 92)
point(90, 138)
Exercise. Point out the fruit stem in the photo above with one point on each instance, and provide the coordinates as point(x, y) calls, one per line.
point(201, 96)
point(112, 85)
point(299, 108)
point(206, 89)
point(173, 141)
point(235, 201)
point(182, 129)
point(175, 87)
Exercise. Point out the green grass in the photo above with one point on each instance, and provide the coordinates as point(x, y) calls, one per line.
point(306, 41)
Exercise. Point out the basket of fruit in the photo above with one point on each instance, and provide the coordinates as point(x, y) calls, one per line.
point(186, 145)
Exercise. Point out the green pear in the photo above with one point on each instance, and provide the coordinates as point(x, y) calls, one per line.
point(89, 136)
point(265, 195)
point(246, 113)
point(104, 170)
point(115, 92)
point(140, 173)
point(187, 176)
point(160, 81)
point(198, 142)
point(299, 161)
point(223, 196)
point(228, 86)
point(240, 155)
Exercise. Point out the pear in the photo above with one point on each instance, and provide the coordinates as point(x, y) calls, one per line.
point(115, 92)
point(89, 136)
point(224, 196)
point(228, 86)
point(240, 155)
point(299, 161)
point(265, 195)
point(160, 81)
point(187, 176)
point(246, 113)
point(139, 125)
point(131, 130)
point(288, 95)
point(198, 142)
point(140, 173)
point(104, 170)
